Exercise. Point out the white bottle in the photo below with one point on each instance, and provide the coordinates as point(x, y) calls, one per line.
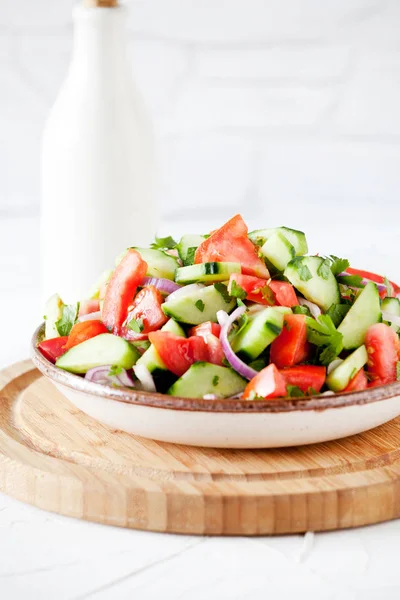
point(97, 160)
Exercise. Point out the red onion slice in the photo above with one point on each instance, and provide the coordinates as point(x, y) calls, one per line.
point(186, 290)
point(145, 378)
point(164, 285)
point(235, 362)
point(102, 375)
point(314, 309)
point(394, 319)
point(94, 316)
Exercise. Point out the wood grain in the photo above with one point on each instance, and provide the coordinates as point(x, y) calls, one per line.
point(59, 459)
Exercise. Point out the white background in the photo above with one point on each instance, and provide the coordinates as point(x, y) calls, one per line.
point(287, 111)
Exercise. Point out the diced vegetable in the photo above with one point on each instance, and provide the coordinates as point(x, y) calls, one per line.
point(231, 244)
point(268, 383)
point(291, 346)
point(121, 290)
point(200, 317)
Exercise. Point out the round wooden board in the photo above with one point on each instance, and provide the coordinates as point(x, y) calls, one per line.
point(55, 457)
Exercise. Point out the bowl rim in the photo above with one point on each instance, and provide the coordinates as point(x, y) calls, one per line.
point(157, 400)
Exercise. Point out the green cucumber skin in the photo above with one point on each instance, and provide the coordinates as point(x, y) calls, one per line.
point(323, 292)
point(104, 349)
point(294, 236)
point(340, 377)
point(365, 311)
point(206, 272)
point(184, 309)
point(261, 330)
point(199, 380)
point(278, 251)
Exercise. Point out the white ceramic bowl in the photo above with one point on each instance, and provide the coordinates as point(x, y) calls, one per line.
point(225, 423)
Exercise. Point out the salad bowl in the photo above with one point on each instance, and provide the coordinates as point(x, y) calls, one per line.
point(224, 423)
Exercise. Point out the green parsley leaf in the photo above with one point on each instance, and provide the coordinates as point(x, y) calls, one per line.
point(322, 332)
point(268, 295)
point(215, 380)
point(398, 371)
point(69, 316)
point(237, 291)
point(337, 313)
point(167, 243)
point(136, 325)
point(303, 271)
point(311, 391)
point(301, 310)
point(115, 370)
point(199, 304)
point(258, 364)
point(324, 270)
point(223, 290)
point(293, 391)
point(44, 318)
point(339, 265)
point(389, 287)
point(351, 280)
point(189, 260)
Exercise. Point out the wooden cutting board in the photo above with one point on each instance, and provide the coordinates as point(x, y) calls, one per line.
point(55, 457)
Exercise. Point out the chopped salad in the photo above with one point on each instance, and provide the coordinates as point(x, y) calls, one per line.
point(230, 314)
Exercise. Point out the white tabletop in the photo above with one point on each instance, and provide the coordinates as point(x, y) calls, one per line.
point(44, 556)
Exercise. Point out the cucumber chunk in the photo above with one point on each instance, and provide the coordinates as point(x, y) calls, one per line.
point(340, 377)
point(316, 286)
point(260, 331)
point(199, 306)
point(104, 349)
point(94, 291)
point(295, 237)
point(185, 243)
point(278, 251)
point(53, 313)
point(207, 272)
point(205, 378)
point(151, 359)
point(365, 311)
point(159, 263)
point(392, 306)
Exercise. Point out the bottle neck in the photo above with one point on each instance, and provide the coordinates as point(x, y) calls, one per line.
point(99, 38)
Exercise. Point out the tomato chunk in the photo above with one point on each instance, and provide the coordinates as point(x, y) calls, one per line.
point(269, 383)
point(284, 293)
point(257, 290)
point(87, 307)
point(359, 382)
point(83, 331)
point(305, 377)
point(147, 308)
point(210, 333)
point(382, 345)
point(230, 243)
point(179, 353)
point(205, 329)
point(54, 348)
point(121, 290)
point(291, 346)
